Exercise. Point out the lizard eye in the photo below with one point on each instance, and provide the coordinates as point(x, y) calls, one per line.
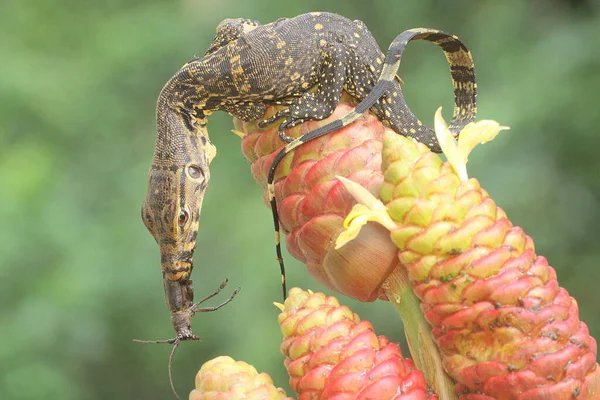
point(195, 172)
point(183, 218)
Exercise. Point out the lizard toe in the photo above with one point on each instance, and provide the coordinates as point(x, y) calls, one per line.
point(284, 102)
point(282, 134)
point(280, 114)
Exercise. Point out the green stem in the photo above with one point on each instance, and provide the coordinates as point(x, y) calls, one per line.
point(423, 349)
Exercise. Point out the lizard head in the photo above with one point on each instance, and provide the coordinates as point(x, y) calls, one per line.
point(177, 183)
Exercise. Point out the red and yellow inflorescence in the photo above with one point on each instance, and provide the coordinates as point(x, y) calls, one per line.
point(331, 354)
point(503, 325)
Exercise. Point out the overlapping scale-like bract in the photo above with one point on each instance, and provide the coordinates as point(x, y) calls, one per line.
point(223, 378)
point(312, 203)
point(331, 354)
point(504, 326)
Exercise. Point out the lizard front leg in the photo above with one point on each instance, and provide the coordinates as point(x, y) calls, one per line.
point(319, 105)
point(251, 111)
point(247, 111)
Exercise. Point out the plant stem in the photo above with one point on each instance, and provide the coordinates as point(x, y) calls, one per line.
point(418, 333)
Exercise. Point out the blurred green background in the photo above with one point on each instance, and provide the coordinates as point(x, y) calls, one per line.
point(80, 275)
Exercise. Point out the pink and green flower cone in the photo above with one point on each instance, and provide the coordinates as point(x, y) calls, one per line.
point(504, 326)
point(312, 203)
point(331, 354)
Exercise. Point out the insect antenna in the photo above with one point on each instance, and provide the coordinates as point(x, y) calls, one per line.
point(175, 342)
point(175, 346)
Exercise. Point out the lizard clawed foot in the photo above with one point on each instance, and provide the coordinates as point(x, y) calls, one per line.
point(279, 114)
point(288, 101)
point(210, 296)
point(284, 125)
point(287, 124)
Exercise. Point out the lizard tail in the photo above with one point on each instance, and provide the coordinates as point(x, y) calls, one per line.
point(462, 71)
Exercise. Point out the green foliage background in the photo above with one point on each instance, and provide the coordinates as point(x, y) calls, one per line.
point(80, 276)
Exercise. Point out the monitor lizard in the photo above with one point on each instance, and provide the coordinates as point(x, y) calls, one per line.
point(248, 67)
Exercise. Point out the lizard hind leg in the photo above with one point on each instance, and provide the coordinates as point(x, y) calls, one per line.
point(319, 105)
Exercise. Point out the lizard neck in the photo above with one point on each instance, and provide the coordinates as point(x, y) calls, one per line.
point(177, 182)
point(198, 85)
point(179, 131)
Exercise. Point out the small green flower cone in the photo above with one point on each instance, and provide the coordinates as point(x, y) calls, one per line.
point(223, 378)
point(331, 354)
point(505, 328)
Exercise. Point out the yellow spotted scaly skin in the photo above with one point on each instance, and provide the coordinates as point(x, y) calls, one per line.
point(331, 354)
point(505, 328)
point(223, 378)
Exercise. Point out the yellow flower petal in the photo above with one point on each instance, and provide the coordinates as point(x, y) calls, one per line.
point(347, 236)
point(359, 192)
point(477, 133)
point(444, 136)
point(470, 136)
point(449, 145)
point(357, 211)
point(239, 133)
point(369, 208)
point(357, 217)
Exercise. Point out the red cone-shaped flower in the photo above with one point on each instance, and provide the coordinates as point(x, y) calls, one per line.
point(331, 354)
point(312, 204)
